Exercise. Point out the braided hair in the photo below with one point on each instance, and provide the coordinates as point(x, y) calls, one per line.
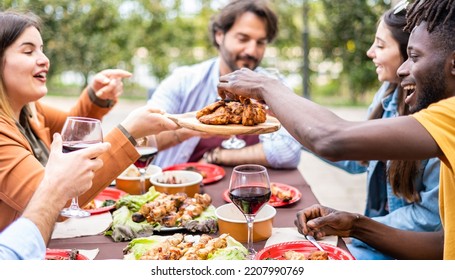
point(434, 12)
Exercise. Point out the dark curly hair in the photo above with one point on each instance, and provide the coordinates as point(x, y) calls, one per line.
point(229, 14)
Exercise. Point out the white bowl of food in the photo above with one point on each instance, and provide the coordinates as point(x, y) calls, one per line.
point(130, 179)
point(177, 181)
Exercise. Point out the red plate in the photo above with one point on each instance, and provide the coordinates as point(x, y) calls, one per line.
point(276, 251)
point(59, 254)
point(107, 193)
point(211, 172)
point(274, 201)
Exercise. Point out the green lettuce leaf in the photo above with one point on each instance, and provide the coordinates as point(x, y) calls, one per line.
point(124, 228)
point(138, 246)
point(134, 202)
point(233, 251)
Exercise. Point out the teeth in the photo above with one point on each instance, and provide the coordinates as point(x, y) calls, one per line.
point(410, 87)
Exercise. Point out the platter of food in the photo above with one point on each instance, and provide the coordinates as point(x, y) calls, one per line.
point(189, 120)
point(61, 254)
point(104, 201)
point(302, 250)
point(153, 211)
point(282, 195)
point(210, 172)
point(185, 247)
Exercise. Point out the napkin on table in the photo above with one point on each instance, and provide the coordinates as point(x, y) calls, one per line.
point(75, 227)
point(288, 234)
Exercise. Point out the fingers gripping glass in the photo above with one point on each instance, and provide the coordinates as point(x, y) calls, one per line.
point(79, 133)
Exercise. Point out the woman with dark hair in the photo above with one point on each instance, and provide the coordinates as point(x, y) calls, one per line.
point(400, 194)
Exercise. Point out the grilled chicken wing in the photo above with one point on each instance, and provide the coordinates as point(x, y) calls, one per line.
point(244, 112)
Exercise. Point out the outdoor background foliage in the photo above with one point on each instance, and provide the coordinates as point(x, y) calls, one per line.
point(86, 36)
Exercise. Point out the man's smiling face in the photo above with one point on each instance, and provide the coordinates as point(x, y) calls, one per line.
point(424, 73)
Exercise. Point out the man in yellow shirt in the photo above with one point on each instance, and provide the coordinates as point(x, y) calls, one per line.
point(428, 76)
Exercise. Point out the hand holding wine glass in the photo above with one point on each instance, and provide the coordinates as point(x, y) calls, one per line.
point(79, 133)
point(249, 190)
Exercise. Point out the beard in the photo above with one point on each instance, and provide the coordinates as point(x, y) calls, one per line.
point(235, 62)
point(433, 90)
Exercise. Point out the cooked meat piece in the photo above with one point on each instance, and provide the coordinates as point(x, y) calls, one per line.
point(244, 112)
point(220, 116)
point(318, 256)
point(236, 110)
point(284, 195)
point(293, 255)
point(210, 109)
point(259, 112)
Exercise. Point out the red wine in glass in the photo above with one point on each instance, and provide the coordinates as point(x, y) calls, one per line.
point(250, 199)
point(74, 146)
point(148, 154)
point(79, 133)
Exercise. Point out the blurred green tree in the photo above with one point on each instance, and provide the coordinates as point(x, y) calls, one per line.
point(86, 36)
point(345, 34)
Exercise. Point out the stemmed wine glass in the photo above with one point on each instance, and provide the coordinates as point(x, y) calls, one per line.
point(79, 133)
point(148, 150)
point(249, 190)
point(233, 143)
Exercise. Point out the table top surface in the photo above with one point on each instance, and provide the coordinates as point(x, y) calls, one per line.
point(108, 249)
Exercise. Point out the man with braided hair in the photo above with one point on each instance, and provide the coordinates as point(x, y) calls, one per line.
point(428, 75)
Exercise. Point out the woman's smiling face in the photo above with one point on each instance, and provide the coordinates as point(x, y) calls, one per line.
point(25, 69)
point(385, 53)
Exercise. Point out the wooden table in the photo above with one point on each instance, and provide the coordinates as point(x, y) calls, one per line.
point(284, 218)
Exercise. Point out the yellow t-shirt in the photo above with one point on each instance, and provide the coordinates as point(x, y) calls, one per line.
point(439, 121)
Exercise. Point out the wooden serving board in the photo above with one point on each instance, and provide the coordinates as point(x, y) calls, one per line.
point(188, 120)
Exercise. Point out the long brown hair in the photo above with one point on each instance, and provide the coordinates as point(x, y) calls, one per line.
point(12, 25)
point(400, 173)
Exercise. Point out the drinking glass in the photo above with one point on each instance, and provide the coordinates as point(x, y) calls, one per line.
point(148, 150)
point(249, 190)
point(79, 133)
point(233, 143)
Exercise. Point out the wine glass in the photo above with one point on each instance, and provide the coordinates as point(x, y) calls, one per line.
point(233, 143)
point(249, 190)
point(148, 150)
point(79, 133)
